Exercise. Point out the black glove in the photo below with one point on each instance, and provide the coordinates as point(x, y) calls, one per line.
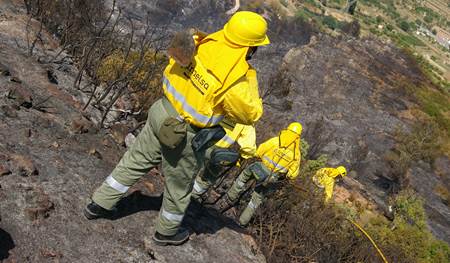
point(207, 137)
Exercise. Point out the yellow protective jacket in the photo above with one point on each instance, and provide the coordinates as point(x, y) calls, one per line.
point(218, 82)
point(324, 178)
point(281, 154)
point(244, 135)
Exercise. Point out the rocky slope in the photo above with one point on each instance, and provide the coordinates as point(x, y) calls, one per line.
point(350, 95)
point(347, 92)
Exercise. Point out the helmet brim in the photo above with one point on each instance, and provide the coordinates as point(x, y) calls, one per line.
point(229, 38)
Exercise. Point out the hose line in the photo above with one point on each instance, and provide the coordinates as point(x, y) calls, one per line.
point(371, 240)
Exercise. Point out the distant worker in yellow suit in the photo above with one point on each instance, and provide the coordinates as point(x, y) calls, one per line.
point(279, 158)
point(220, 155)
point(325, 179)
point(216, 82)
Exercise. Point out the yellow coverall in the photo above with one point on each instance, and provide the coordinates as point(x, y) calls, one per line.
point(325, 178)
point(280, 156)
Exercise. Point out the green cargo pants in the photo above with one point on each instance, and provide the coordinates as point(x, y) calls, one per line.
point(179, 166)
point(254, 170)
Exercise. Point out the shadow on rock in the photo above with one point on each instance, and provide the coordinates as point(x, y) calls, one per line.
point(207, 220)
point(200, 219)
point(6, 244)
point(137, 202)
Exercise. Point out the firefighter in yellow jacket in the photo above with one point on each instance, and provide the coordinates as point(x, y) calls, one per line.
point(220, 155)
point(216, 82)
point(325, 178)
point(279, 157)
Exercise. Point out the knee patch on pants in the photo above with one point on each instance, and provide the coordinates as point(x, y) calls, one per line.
point(224, 157)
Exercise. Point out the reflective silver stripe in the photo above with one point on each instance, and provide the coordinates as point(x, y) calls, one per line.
point(252, 205)
point(171, 217)
point(280, 167)
point(205, 120)
point(198, 188)
point(240, 183)
point(227, 139)
point(116, 185)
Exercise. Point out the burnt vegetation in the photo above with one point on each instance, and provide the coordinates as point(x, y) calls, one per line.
point(120, 62)
point(119, 59)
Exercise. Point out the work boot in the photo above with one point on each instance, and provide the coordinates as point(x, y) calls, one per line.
point(94, 211)
point(179, 238)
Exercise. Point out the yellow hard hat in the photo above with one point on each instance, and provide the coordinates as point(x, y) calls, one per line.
point(246, 28)
point(342, 171)
point(296, 128)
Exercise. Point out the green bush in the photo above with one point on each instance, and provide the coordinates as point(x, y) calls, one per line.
point(428, 19)
point(389, 27)
point(404, 25)
point(142, 73)
point(331, 22)
point(379, 19)
point(408, 238)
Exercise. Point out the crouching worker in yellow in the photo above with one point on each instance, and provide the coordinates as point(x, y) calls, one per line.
point(325, 178)
point(220, 155)
point(214, 83)
point(279, 158)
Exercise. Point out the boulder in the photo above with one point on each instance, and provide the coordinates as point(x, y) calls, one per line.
point(23, 165)
point(21, 95)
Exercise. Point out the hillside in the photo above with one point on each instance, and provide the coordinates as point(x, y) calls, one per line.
point(421, 26)
point(366, 98)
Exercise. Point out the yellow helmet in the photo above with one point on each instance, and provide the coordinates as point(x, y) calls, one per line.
point(246, 28)
point(342, 171)
point(296, 128)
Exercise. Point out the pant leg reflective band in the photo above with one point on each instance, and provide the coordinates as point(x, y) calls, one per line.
point(198, 188)
point(171, 216)
point(252, 205)
point(116, 185)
